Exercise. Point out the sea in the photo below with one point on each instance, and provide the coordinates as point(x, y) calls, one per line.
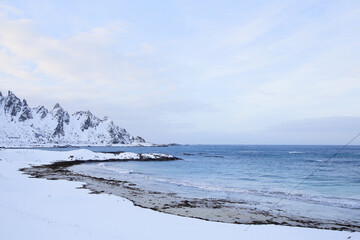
point(314, 181)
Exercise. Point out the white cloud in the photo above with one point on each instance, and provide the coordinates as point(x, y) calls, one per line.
point(86, 57)
point(7, 10)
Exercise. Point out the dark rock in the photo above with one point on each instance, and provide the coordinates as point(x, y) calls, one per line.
point(59, 130)
point(90, 120)
point(119, 135)
point(62, 117)
point(139, 139)
point(42, 111)
point(12, 104)
point(1, 98)
point(26, 112)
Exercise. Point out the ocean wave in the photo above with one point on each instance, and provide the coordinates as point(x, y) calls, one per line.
point(348, 203)
point(115, 169)
point(313, 160)
point(248, 151)
point(296, 152)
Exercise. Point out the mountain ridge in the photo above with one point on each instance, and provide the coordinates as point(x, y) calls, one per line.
point(21, 125)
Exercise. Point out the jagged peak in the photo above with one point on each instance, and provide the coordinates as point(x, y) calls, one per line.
point(26, 112)
point(11, 94)
point(42, 111)
point(12, 104)
point(57, 105)
point(25, 103)
point(139, 139)
point(1, 94)
point(87, 113)
point(62, 116)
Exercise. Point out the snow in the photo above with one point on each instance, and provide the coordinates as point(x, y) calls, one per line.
point(38, 157)
point(41, 209)
point(23, 126)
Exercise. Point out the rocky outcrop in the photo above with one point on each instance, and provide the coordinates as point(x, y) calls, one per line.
point(26, 112)
point(12, 104)
point(62, 117)
point(88, 120)
point(41, 111)
point(120, 135)
point(139, 139)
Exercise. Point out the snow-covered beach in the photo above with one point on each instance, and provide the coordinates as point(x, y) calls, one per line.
point(34, 208)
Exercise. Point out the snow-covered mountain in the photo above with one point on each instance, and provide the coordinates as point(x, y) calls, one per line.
point(21, 125)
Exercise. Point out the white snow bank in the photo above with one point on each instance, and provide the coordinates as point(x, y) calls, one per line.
point(36, 156)
point(41, 209)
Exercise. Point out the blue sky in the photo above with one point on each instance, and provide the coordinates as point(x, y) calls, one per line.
point(241, 72)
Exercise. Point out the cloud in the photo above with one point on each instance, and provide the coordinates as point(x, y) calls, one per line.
point(9, 10)
point(84, 63)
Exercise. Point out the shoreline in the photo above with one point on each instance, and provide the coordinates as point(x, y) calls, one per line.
point(35, 208)
point(85, 145)
point(215, 210)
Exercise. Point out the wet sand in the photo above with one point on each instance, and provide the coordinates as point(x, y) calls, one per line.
point(218, 210)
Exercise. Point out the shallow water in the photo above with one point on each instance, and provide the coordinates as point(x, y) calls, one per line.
point(258, 175)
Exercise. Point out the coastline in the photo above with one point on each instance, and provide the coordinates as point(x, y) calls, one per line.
point(82, 145)
point(216, 210)
point(44, 209)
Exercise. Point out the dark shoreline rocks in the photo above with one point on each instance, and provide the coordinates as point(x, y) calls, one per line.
point(62, 165)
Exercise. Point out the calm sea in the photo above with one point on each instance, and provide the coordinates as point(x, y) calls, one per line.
point(258, 175)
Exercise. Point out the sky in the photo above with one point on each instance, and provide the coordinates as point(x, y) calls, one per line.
point(197, 72)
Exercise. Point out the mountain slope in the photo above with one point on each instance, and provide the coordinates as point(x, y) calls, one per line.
point(21, 125)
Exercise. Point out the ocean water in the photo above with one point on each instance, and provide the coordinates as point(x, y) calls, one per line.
point(258, 175)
